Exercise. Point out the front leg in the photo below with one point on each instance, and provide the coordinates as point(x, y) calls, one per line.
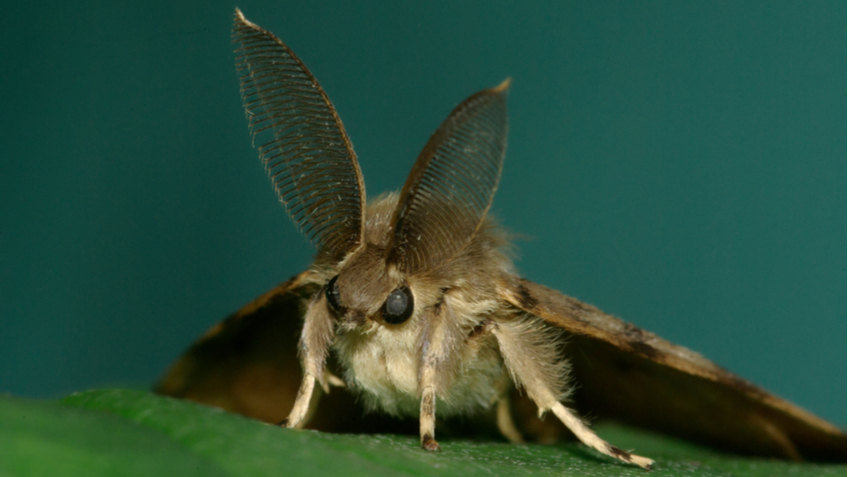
point(315, 339)
point(439, 348)
point(531, 354)
point(427, 424)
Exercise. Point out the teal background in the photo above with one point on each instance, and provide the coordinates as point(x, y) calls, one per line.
point(678, 164)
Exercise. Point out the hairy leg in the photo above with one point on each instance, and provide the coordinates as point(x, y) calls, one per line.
point(531, 355)
point(315, 340)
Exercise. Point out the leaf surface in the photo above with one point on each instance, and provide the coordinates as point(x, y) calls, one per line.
point(138, 433)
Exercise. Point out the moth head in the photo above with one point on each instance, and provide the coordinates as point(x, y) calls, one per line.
point(308, 155)
point(367, 289)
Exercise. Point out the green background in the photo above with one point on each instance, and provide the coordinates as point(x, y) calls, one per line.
point(677, 164)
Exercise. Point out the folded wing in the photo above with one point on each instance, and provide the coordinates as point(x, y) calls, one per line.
point(631, 375)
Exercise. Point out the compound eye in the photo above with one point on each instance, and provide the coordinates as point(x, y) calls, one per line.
point(333, 295)
point(398, 306)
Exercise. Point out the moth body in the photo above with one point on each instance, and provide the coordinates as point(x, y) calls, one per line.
point(412, 300)
point(416, 299)
point(382, 361)
point(382, 365)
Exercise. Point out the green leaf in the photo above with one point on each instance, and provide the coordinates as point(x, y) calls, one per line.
point(39, 438)
point(144, 434)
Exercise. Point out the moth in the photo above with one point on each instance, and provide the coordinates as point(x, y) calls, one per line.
point(414, 306)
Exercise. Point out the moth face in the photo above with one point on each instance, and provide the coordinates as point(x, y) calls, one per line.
point(367, 289)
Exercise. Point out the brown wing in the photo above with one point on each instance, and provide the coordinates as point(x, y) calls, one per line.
point(631, 375)
point(248, 364)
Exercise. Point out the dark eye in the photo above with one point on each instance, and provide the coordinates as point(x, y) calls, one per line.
point(333, 296)
point(398, 306)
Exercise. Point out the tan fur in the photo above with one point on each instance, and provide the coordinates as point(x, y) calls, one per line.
point(530, 351)
point(317, 334)
point(384, 362)
point(452, 354)
point(431, 244)
point(532, 354)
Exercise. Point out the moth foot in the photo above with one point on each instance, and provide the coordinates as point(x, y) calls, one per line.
point(284, 423)
point(333, 380)
point(429, 444)
point(625, 456)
